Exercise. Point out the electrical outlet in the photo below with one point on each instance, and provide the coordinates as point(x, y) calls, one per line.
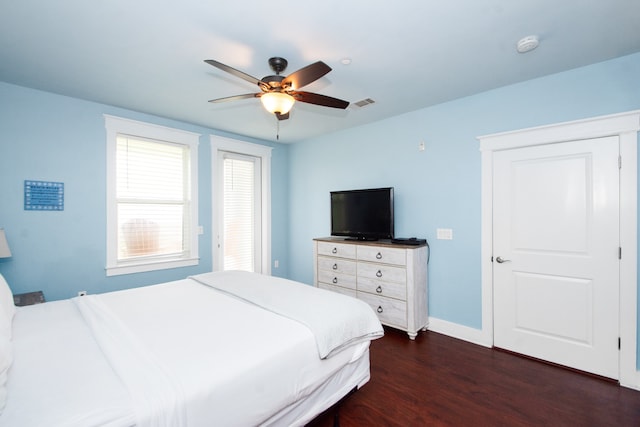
point(82, 293)
point(276, 264)
point(444, 234)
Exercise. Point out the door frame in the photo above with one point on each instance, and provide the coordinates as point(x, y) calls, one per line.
point(625, 126)
point(220, 144)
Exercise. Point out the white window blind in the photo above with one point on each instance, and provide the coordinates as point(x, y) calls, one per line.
point(239, 214)
point(151, 197)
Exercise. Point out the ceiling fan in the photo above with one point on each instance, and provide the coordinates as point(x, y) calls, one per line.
point(279, 93)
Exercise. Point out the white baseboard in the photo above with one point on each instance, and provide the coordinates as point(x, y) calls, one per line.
point(475, 336)
point(634, 384)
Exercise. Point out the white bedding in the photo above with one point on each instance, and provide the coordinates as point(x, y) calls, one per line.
point(335, 320)
point(58, 374)
point(220, 361)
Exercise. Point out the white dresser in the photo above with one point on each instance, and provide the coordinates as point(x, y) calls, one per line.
point(391, 278)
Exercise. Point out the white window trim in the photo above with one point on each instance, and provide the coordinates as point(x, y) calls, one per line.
point(219, 143)
point(118, 125)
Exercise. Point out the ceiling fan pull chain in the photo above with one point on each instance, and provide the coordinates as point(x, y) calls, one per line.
point(277, 129)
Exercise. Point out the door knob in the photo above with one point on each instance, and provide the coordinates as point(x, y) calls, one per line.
point(500, 260)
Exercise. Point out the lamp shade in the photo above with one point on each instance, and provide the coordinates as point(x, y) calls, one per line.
point(277, 102)
point(4, 246)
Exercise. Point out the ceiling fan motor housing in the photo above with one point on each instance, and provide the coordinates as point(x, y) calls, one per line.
point(272, 81)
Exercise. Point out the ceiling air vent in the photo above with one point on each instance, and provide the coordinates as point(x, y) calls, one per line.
point(364, 102)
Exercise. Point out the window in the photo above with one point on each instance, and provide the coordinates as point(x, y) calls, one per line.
point(241, 224)
point(241, 212)
point(151, 197)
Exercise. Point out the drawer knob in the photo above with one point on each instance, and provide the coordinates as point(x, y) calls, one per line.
point(334, 251)
point(379, 273)
point(378, 255)
point(335, 280)
point(335, 266)
point(379, 310)
point(379, 289)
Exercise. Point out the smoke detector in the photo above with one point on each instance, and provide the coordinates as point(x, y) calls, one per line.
point(527, 44)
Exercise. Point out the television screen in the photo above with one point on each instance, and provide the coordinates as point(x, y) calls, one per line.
point(362, 214)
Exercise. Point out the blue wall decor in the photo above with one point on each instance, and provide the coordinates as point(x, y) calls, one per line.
point(43, 196)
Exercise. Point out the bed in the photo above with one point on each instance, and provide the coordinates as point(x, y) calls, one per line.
point(226, 348)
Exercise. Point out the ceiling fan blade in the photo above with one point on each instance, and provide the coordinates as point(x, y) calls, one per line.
point(306, 75)
point(282, 116)
point(317, 99)
point(233, 71)
point(236, 97)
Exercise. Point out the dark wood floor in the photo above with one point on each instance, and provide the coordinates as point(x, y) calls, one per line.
point(441, 381)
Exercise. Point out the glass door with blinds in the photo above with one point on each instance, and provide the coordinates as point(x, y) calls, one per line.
point(240, 230)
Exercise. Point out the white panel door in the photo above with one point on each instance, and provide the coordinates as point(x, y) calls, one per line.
point(556, 266)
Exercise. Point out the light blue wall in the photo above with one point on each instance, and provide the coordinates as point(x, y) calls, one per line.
point(440, 187)
point(51, 137)
point(55, 138)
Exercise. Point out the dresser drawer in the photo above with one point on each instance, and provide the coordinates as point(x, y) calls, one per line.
point(338, 279)
point(382, 288)
point(390, 311)
point(392, 279)
point(382, 272)
point(337, 265)
point(342, 250)
point(338, 289)
point(384, 255)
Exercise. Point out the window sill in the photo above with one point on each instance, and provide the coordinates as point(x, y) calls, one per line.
point(150, 266)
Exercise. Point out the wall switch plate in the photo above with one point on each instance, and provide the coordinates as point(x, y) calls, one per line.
point(444, 234)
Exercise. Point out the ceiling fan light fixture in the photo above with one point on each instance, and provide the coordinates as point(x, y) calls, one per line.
point(277, 102)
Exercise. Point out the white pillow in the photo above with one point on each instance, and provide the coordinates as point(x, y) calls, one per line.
point(6, 298)
point(7, 310)
point(6, 357)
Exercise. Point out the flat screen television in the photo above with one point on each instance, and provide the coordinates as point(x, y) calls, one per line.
point(362, 214)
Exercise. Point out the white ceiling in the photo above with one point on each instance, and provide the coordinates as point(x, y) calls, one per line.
point(147, 55)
